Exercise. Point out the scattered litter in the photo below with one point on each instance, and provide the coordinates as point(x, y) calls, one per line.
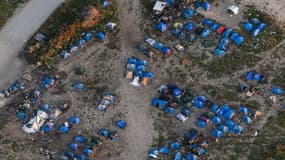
point(105, 102)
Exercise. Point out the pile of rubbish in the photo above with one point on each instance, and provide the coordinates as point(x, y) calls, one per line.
point(136, 71)
point(193, 140)
point(254, 26)
point(171, 99)
point(106, 101)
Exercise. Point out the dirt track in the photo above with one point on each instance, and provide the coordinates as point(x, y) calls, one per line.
point(14, 34)
point(140, 124)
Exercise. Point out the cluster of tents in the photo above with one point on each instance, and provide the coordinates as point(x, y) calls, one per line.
point(193, 139)
point(86, 37)
point(12, 89)
point(227, 34)
point(158, 46)
point(171, 100)
point(136, 71)
point(80, 148)
point(223, 119)
point(254, 26)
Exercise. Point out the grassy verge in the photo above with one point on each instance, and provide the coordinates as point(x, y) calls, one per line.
point(271, 142)
point(7, 7)
point(69, 18)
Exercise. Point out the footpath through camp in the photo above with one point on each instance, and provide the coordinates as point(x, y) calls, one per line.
point(148, 80)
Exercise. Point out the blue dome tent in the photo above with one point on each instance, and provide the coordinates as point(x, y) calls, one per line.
point(174, 145)
point(277, 91)
point(216, 120)
point(163, 150)
point(161, 26)
point(187, 13)
point(177, 156)
point(100, 35)
point(219, 52)
point(214, 107)
point(217, 133)
point(247, 26)
point(120, 124)
point(207, 22)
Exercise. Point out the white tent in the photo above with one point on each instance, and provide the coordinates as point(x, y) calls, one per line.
point(159, 6)
point(233, 9)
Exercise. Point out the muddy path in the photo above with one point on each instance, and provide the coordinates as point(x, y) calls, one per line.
point(139, 132)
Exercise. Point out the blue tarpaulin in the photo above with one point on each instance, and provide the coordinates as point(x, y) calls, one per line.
point(185, 111)
point(230, 124)
point(223, 43)
point(214, 27)
point(207, 22)
point(255, 21)
point(169, 2)
point(238, 129)
point(181, 36)
point(161, 26)
point(246, 119)
point(238, 40)
point(243, 110)
point(87, 151)
point(219, 52)
point(63, 129)
point(158, 46)
point(175, 32)
point(120, 124)
point(163, 150)
point(100, 35)
point(217, 133)
point(78, 139)
point(69, 154)
point(277, 90)
point(87, 36)
point(261, 26)
point(176, 92)
point(169, 110)
point(153, 153)
point(233, 35)
point(214, 107)
point(187, 13)
point(177, 156)
point(104, 3)
point(201, 151)
point(200, 124)
point(251, 76)
point(228, 114)
point(226, 32)
point(74, 119)
point(73, 146)
point(160, 104)
point(205, 5)
point(80, 157)
point(190, 156)
point(223, 128)
point(104, 133)
point(21, 115)
point(78, 86)
point(198, 104)
point(189, 26)
point(174, 145)
point(204, 33)
point(247, 26)
point(191, 134)
point(216, 120)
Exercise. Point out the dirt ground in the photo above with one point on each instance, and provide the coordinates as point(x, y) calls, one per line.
point(105, 67)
